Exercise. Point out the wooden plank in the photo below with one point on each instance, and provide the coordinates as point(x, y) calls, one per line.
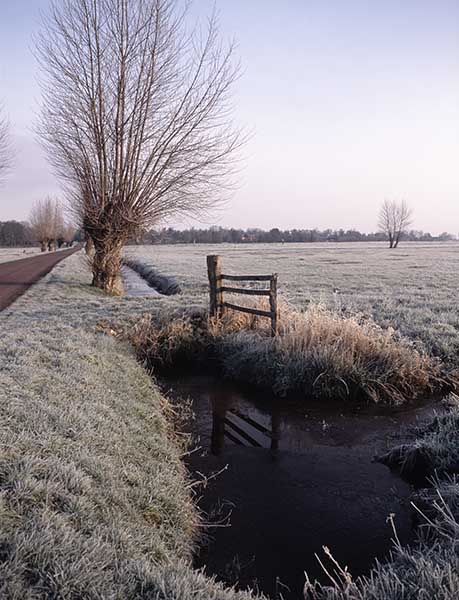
point(245, 291)
point(214, 273)
point(247, 277)
point(273, 304)
point(250, 311)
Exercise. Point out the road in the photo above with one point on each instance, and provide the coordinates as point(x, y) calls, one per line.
point(18, 275)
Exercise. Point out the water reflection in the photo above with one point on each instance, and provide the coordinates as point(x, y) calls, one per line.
point(298, 476)
point(229, 423)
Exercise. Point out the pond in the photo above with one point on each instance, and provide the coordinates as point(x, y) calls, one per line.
point(292, 477)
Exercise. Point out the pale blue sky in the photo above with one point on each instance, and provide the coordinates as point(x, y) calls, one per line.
point(349, 102)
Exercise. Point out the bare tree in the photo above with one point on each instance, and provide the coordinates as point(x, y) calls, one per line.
point(394, 218)
point(69, 234)
point(5, 146)
point(136, 117)
point(46, 220)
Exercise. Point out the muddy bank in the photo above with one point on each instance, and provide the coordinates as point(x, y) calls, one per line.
point(293, 479)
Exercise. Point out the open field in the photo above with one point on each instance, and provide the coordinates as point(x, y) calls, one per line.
point(7, 254)
point(412, 289)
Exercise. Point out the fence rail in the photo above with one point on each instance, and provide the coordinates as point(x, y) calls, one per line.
point(218, 305)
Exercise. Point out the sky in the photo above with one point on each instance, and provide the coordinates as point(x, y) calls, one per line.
point(347, 103)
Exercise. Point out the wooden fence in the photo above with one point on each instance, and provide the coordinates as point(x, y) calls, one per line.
point(218, 305)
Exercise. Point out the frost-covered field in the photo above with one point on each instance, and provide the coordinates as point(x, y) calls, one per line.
point(413, 288)
point(7, 254)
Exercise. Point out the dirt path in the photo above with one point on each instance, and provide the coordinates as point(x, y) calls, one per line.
point(18, 275)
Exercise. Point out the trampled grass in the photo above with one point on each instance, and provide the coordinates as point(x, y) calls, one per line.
point(412, 289)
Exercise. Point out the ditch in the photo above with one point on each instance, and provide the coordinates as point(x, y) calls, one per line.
point(286, 478)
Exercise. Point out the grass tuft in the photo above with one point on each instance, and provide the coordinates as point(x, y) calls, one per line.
point(317, 354)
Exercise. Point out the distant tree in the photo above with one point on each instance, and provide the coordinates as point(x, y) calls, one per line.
point(218, 235)
point(60, 227)
point(394, 218)
point(275, 235)
point(136, 117)
point(46, 220)
point(446, 237)
point(13, 233)
point(5, 146)
point(69, 234)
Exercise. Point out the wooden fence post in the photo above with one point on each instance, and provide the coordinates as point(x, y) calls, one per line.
point(214, 271)
point(273, 304)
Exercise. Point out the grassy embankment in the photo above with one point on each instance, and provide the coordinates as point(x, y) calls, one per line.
point(317, 354)
point(95, 501)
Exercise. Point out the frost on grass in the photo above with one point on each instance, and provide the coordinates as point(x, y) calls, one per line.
point(93, 493)
point(412, 289)
point(434, 452)
point(164, 284)
point(317, 354)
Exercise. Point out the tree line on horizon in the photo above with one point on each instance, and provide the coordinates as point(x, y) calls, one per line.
point(224, 235)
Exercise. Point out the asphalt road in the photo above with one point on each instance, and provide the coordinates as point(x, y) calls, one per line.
point(18, 275)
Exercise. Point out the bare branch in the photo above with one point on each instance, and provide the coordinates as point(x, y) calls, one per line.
point(5, 146)
point(136, 116)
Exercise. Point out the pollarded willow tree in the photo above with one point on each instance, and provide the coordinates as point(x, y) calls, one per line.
point(47, 222)
point(137, 117)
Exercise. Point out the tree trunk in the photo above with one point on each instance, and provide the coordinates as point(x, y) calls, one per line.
point(89, 246)
point(106, 267)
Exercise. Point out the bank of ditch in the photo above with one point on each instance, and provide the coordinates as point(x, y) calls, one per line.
point(317, 354)
point(96, 501)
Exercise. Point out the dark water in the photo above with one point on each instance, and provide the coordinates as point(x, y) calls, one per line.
point(294, 477)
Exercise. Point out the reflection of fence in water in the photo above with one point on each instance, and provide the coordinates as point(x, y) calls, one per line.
point(243, 430)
